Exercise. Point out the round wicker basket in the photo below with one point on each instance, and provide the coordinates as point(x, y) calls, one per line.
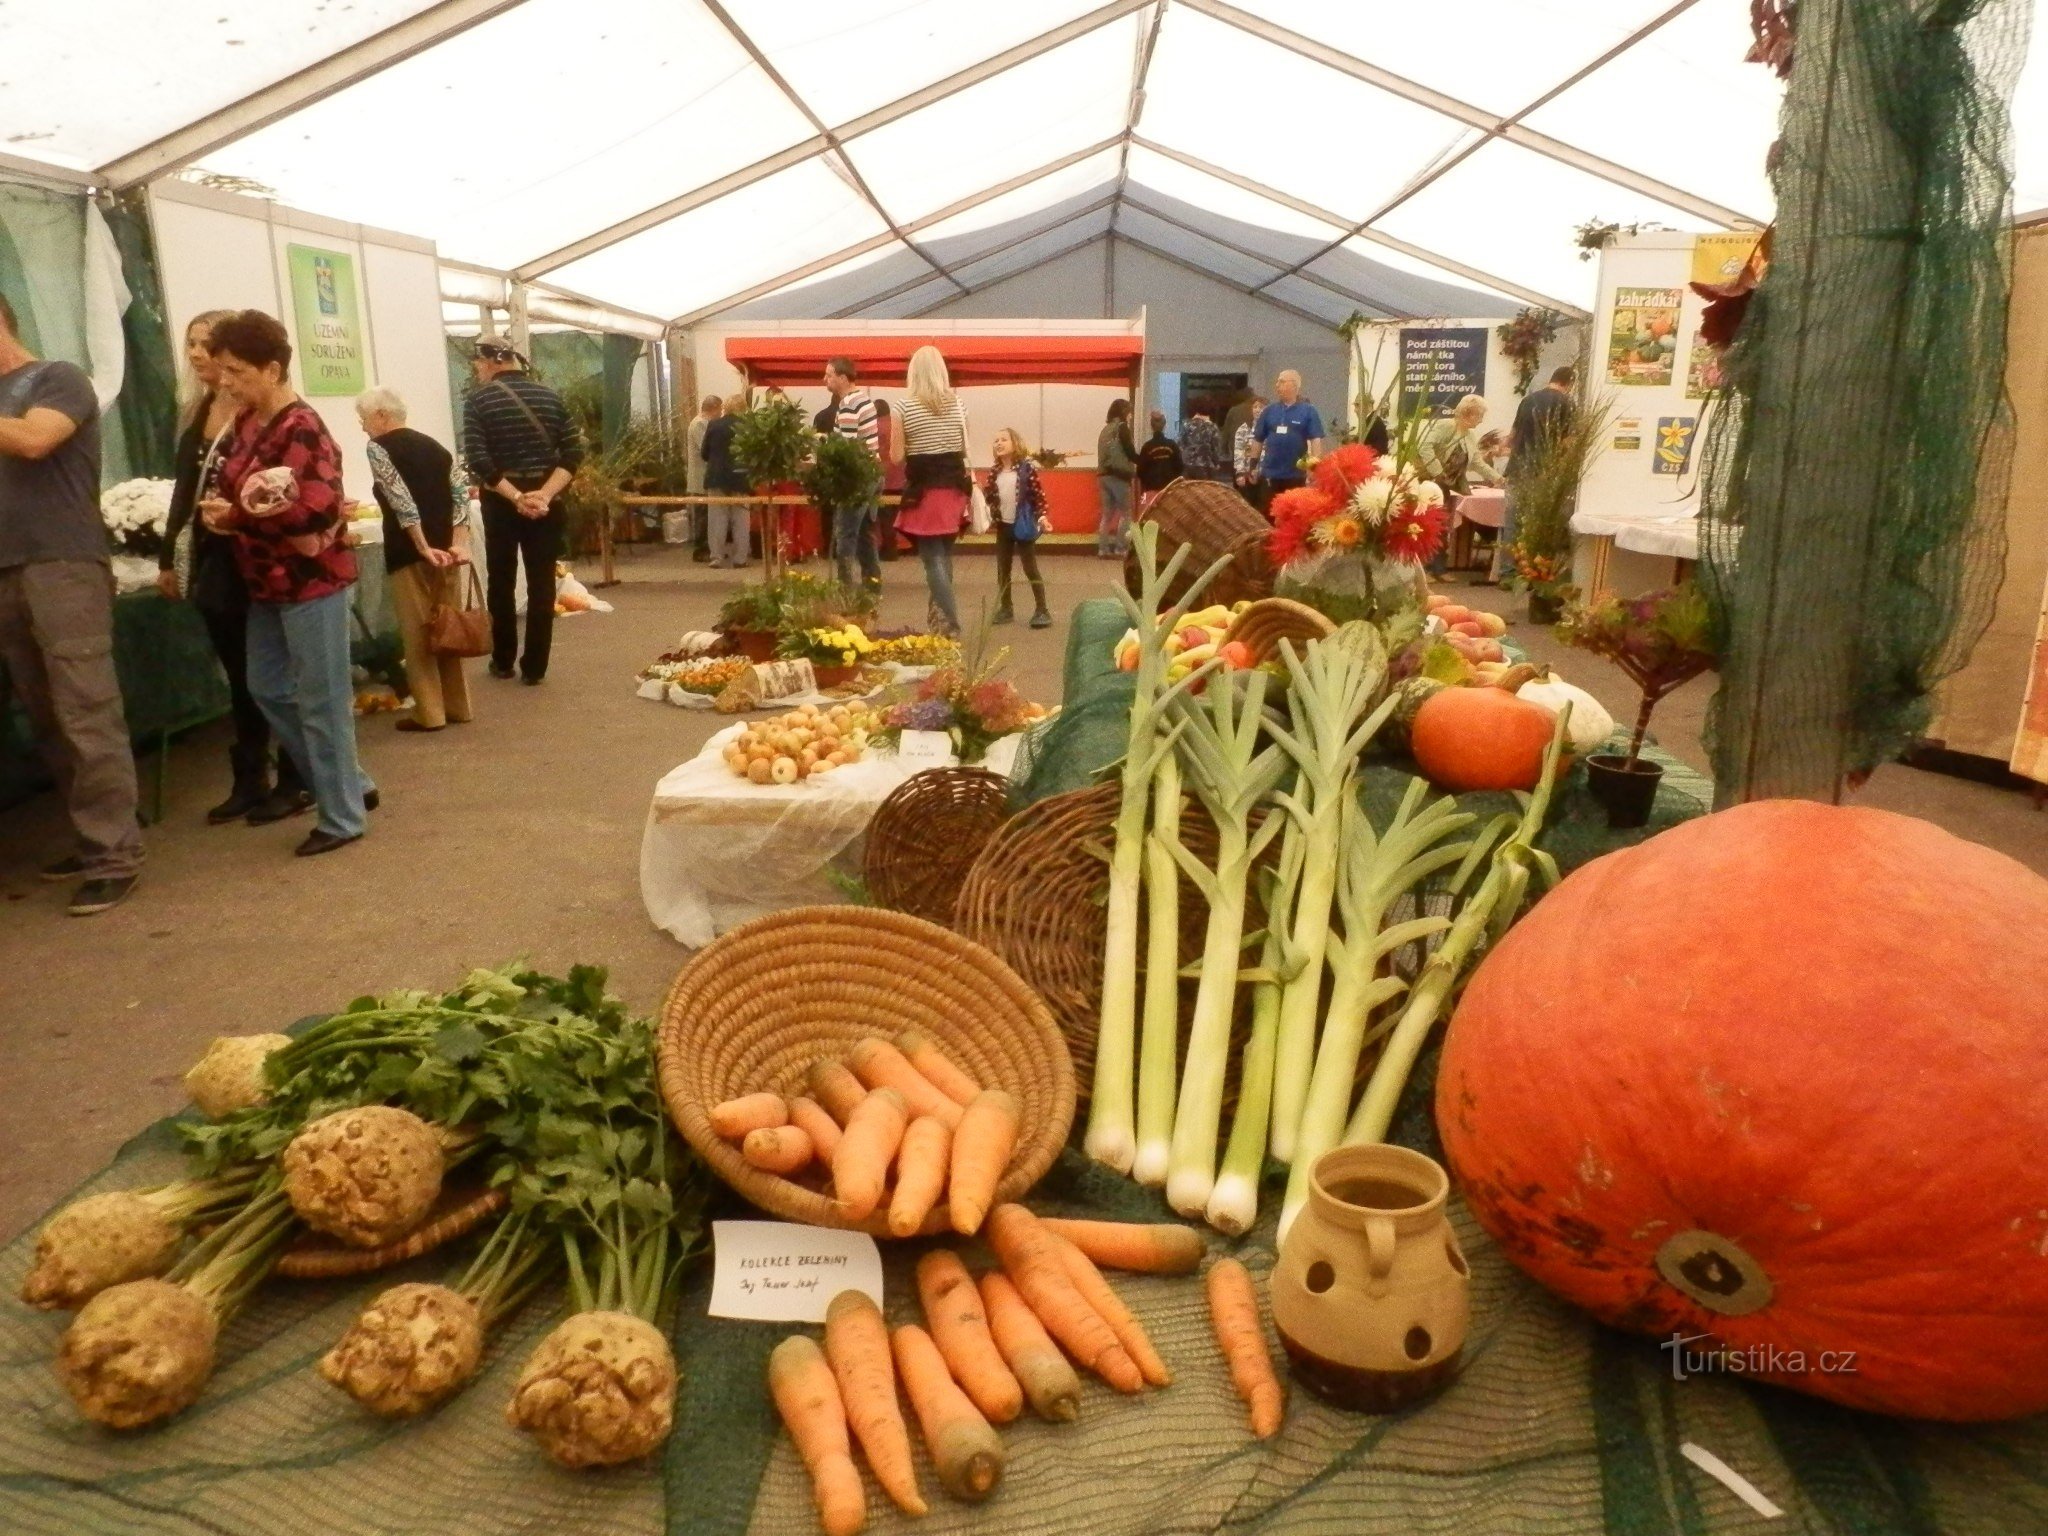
point(1211, 519)
point(1273, 619)
point(927, 834)
point(459, 1211)
point(1035, 897)
point(759, 1005)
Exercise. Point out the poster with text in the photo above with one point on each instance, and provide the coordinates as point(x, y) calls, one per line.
point(1642, 348)
point(1702, 368)
point(1674, 444)
point(1628, 435)
point(1441, 367)
point(330, 339)
point(1719, 259)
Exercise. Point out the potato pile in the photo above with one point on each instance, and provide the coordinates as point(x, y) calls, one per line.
point(802, 744)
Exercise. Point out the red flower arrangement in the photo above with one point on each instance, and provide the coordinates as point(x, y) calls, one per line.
point(1338, 475)
point(1294, 513)
point(1416, 533)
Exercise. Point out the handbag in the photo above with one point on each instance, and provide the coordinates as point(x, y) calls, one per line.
point(462, 628)
point(1024, 525)
point(978, 518)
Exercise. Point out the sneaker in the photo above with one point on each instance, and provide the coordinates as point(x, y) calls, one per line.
point(1041, 620)
point(279, 805)
point(531, 682)
point(98, 895)
point(1004, 616)
point(503, 674)
point(65, 869)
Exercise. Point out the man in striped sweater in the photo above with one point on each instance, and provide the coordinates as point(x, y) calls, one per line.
point(854, 415)
point(522, 447)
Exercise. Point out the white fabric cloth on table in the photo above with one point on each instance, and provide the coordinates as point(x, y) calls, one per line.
point(1485, 507)
point(1670, 531)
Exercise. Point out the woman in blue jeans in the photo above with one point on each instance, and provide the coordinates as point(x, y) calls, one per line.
point(931, 432)
point(1116, 461)
point(280, 497)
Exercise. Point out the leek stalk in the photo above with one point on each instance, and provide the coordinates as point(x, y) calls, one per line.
point(1158, 1042)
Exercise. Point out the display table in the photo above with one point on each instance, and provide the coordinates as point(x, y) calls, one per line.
point(1636, 552)
point(720, 850)
point(1486, 507)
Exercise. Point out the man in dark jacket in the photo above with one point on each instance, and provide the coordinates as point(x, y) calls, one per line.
point(522, 447)
point(1159, 462)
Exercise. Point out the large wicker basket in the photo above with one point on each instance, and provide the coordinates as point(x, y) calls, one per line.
point(1273, 619)
point(1211, 519)
point(926, 835)
point(1036, 897)
point(758, 1006)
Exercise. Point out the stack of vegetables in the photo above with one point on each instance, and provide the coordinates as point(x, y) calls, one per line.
point(1342, 899)
point(989, 1347)
point(1195, 638)
point(538, 1087)
point(891, 1109)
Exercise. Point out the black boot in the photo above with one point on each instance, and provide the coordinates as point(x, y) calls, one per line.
point(251, 788)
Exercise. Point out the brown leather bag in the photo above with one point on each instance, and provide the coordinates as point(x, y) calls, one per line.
point(461, 628)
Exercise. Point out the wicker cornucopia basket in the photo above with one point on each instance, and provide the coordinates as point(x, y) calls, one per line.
point(926, 835)
point(1272, 619)
point(759, 1005)
point(1211, 519)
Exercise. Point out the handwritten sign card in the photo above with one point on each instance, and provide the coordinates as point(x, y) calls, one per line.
point(926, 749)
point(783, 1272)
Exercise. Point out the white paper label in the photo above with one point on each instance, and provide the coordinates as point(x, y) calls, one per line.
point(784, 1272)
point(926, 749)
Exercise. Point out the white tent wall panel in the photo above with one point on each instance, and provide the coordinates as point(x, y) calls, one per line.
point(219, 251)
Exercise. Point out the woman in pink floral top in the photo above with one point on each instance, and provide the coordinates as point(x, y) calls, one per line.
point(279, 495)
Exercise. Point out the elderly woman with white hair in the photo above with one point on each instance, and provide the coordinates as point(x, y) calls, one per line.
point(1452, 455)
point(425, 541)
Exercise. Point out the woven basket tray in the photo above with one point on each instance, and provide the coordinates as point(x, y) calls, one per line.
point(1036, 898)
point(926, 835)
point(1212, 519)
point(1273, 619)
point(756, 1007)
point(459, 1210)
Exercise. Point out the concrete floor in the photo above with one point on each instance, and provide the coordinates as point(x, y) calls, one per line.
point(517, 835)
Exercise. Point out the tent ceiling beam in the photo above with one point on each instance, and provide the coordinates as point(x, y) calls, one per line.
point(1377, 237)
point(851, 311)
point(1449, 162)
point(1318, 281)
point(817, 144)
point(1488, 123)
point(834, 146)
point(336, 72)
point(1148, 43)
point(877, 242)
point(996, 282)
point(1321, 322)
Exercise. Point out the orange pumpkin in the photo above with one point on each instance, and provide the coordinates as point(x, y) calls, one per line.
point(1773, 1080)
point(1481, 738)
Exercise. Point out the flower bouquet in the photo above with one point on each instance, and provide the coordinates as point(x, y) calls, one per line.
point(1661, 641)
point(973, 708)
point(1352, 542)
point(136, 513)
point(1546, 578)
point(1523, 339)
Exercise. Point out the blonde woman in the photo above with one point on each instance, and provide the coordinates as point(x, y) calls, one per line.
point(212, 584)
point(930, 436)
point(1017, 502)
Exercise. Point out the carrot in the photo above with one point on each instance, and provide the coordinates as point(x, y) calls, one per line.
point(808, 1399)
point(1043, 1372)
point(783, 1149)
point(952, 1307)
point(819, 1126)
point(750, 1112)
point(857, 1344)
point(860, 1163)
point(1100, 1295)
point(1146, 1248)
point(920, 1174)
point(936, 1068)
point(1027, 1252)
point(836, 1088)
point(1234, 1310)
point(965, 1450)
point(879, 1064)
point(982, 1145)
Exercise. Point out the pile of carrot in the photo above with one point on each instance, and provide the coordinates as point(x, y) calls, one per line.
point(890, 1108)
point(988, 1348)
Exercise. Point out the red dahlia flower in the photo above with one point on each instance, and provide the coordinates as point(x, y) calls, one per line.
point(1415, 533)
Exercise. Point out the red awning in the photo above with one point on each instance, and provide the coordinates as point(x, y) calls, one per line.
point(791, 360)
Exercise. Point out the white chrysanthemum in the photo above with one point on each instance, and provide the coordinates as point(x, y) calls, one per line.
point(135, 505)
point(1429, 494)
point(1371, 500)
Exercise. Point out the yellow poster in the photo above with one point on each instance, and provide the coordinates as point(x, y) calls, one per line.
point(1720, 258)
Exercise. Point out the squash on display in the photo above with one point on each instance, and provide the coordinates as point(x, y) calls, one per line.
point(1590, 724)
point(1480, 738)
point(1776, 1078)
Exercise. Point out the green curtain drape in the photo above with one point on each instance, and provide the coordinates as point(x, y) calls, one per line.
point(621, 356)
point(148, 405)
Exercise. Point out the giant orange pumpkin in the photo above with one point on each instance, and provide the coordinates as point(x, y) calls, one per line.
point(1480, 738)
point(1779, 1078)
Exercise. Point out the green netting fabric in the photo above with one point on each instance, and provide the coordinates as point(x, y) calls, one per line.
point(1853, 544)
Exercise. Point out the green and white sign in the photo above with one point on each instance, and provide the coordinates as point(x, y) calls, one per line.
point(330, 339)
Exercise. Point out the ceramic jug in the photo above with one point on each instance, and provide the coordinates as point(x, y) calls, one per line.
point(1370, 1296)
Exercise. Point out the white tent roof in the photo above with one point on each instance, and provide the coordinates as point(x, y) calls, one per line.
point(683, 157)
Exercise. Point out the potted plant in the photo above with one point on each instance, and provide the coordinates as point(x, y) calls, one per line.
point(835, 652)
point(769, 444)
point(843, 475)
point(1662, 642)
point(1050, 458)
point(1545, 494)
point(750, 618)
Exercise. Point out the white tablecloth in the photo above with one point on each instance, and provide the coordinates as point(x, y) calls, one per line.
point(720, 850)
point(1485, 507)
point(1669, 531)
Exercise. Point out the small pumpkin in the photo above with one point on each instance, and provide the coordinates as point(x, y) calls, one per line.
point(1590, 724)
point(1480, 738)
point(1772, 1080)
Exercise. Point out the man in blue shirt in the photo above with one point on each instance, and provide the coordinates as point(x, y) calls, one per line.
point(1288, 430)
